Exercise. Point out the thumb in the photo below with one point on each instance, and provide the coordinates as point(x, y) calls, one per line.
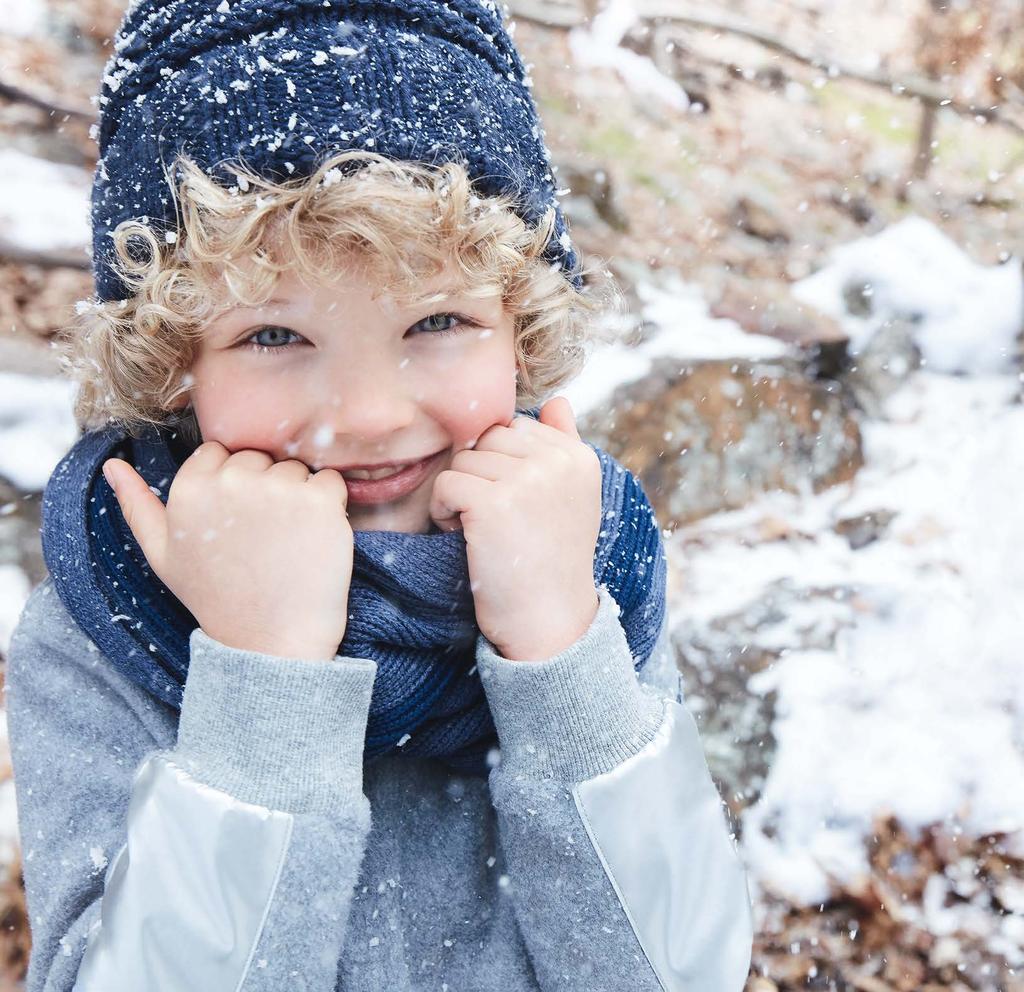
point(142, 509)
point(557, 413)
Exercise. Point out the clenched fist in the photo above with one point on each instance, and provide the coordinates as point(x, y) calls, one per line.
point(260, 552)
point(527, 498)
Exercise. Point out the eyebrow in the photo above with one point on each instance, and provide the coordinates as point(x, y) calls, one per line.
point(268, 303)
point(444, 297)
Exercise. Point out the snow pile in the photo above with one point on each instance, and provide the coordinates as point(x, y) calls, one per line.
point(685, 330)
point(14, 590)
point(600, 47)
point(25, 19)
point(44, 206)
point(919, 707)
point(968, 315)
point(36, 428)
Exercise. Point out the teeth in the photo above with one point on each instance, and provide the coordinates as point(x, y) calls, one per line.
point(365, 473)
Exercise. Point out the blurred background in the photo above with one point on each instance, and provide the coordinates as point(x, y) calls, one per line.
point(813, 210)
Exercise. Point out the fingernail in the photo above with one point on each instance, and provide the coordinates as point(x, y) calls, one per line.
point(107, 475)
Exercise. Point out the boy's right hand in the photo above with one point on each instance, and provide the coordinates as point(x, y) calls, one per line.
point(260, 552)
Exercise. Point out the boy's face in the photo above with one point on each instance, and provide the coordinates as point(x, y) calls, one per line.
point(342, 379)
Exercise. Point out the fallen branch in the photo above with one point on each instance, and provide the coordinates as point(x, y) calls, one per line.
point(14, 254)
point(915, 87)
point(17, 95)
point(547, 15)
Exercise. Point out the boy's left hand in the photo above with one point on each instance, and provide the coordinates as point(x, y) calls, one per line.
point(529, 499)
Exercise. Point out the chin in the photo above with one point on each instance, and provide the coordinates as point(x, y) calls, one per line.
point(395, 522)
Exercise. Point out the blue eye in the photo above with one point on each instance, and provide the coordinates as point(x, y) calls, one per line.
point(459, 321)
point(275, 343)
point(272, 339)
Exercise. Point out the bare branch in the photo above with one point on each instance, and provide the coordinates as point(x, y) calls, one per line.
point(17, 95)
point(14, 254)
point(915, 87)
point(547, 15)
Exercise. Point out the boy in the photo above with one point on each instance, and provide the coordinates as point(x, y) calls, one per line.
point(276, 726)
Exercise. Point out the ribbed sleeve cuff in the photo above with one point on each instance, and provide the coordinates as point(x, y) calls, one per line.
point(286, 733)
point(577, 714)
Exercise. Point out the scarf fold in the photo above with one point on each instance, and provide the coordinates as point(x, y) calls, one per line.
point(410, 605)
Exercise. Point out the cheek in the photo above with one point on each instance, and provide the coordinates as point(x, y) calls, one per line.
point(470, 401)
point(226, 413)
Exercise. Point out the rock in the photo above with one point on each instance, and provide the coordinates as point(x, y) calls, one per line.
point(591, 193)
point(19, 532)
point(768, 308)
point(758, 216)
point(704, 436)
point(39, 301)
point(667, 48)
point(718, 658)
point(734, 722)
point(856, 205)
point(27, 355)
point(882, 364)
point(864, 528)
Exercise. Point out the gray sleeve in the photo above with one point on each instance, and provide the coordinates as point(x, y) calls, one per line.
point(183, 853)
point(621, 865)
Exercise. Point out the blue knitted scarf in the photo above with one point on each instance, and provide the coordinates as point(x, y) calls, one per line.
point(411, 610)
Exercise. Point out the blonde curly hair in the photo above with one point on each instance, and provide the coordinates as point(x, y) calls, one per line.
point(403, 222)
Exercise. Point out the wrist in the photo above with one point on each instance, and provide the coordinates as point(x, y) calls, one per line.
point(577, 715)
point(539, 642)
point(277, 731)
point(303, 649)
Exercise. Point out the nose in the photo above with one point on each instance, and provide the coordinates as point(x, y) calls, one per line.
point(365, 403)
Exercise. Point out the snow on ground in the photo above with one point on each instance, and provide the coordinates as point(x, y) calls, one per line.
point(44, 206)
point(36, 428)
point(969, 315)
point(14, 590)
point(599, 45)
point(918, 708)
point(25, 19)
point(684, 329)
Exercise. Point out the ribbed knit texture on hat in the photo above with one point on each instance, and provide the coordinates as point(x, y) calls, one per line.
point(284, 84)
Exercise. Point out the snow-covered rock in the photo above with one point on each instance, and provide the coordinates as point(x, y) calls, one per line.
point(968, 316)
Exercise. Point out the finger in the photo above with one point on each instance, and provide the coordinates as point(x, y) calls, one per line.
point(143, 512)
point(455, 493)
point(290, 468)
point(504, 439)
point(206, 459)
point(492, 465)
point(249, 460)
point(329, 478)
point(557, 413)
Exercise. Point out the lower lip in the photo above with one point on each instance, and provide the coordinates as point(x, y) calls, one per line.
point(394, 486)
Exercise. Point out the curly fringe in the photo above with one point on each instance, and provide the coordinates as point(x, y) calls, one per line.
point(400, 222)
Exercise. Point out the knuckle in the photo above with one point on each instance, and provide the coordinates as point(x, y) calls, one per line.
point(207, 448)
point(183, 485)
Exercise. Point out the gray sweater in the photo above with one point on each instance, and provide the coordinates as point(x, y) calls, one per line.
point(244, 844)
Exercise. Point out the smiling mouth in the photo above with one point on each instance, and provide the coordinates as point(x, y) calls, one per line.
point(378, 473)
point(394, 485)
point(381, 471)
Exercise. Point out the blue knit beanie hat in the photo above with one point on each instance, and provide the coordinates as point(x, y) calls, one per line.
point(284, 84)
